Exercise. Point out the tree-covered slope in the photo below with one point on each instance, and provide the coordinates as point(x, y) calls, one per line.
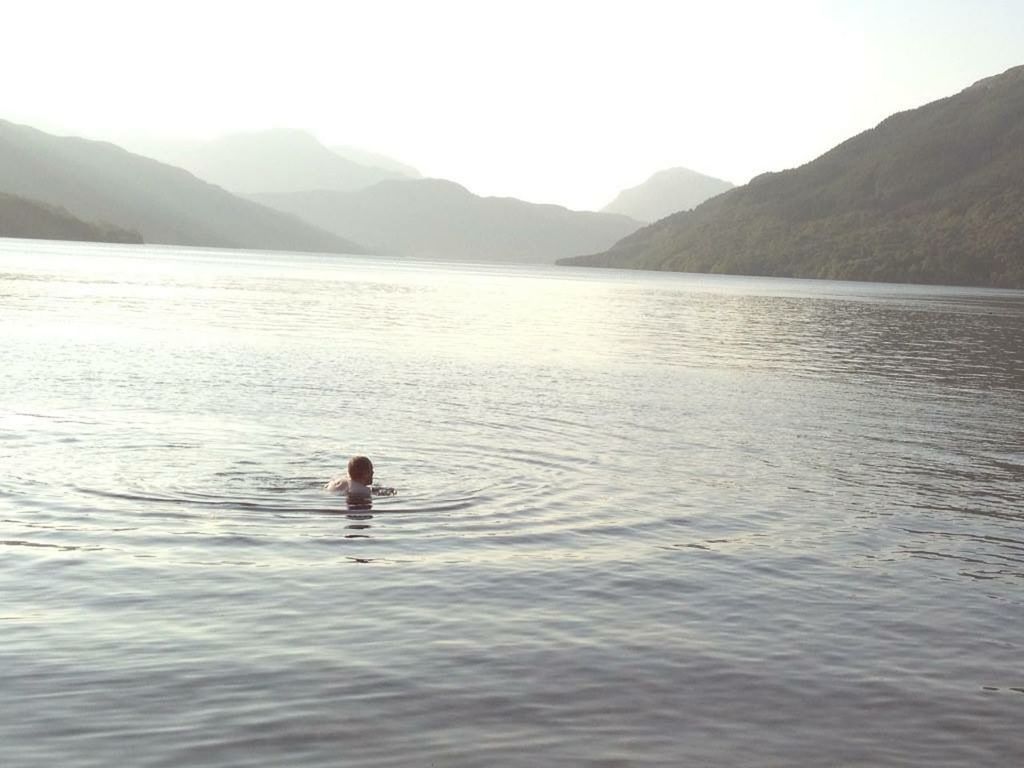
point(438, 219)
point(102, 182)
point(931, 195)
point(29, 219)
point(665, 193)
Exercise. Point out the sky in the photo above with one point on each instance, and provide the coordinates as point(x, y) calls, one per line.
point(557, 101)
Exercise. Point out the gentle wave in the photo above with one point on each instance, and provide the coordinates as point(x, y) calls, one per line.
point(640, 520)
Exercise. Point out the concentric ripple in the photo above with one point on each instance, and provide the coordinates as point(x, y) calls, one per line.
point(640, 520)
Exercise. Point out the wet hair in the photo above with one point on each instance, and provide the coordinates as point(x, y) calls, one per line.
point(359, 466)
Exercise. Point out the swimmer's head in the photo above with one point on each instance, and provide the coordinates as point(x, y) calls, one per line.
point(360, 469)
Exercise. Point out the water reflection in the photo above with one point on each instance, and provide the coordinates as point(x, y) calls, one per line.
point(359, 508)
point(746, 506)
point(358, 504)
point(901, 340)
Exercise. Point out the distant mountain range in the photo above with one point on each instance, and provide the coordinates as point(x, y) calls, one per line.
point(29, 219)
point(96, 181)
point(931, 195)
point(375, 160)
point(433, 218)
point(665, 193)
point(275, 161)
point(324, 202)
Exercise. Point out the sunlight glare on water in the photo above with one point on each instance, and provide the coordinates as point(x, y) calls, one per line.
point(642, 519)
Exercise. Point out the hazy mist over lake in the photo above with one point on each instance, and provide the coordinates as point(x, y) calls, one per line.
point(566, 103)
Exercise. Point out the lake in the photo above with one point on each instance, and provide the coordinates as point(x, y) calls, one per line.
point(641, 519)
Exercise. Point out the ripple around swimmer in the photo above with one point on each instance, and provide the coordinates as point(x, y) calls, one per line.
point(651, 519)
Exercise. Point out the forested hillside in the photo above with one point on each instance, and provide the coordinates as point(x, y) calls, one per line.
point(931, 195)
point(29, 219)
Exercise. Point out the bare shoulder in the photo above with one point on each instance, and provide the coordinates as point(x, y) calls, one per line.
point(337, 484)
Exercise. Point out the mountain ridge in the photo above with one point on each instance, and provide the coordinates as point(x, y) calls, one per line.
point(933, 194)
point(375, 160)
point(666, 192)
point(274, 161)
point(440, 219)
point(100, 181)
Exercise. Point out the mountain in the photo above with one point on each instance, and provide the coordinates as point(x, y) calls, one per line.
point(99, 181)
point(29, 219)
point(675, 189)
point(931, 195)
point(374, 160)
point(433, 218)
point(275, 161)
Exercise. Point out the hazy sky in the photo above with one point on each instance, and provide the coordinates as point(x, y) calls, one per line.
point(553, 101)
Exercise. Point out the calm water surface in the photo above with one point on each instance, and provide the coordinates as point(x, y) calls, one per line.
point(642, 520)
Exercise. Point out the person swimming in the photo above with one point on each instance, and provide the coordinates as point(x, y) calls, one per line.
point(359, 480)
